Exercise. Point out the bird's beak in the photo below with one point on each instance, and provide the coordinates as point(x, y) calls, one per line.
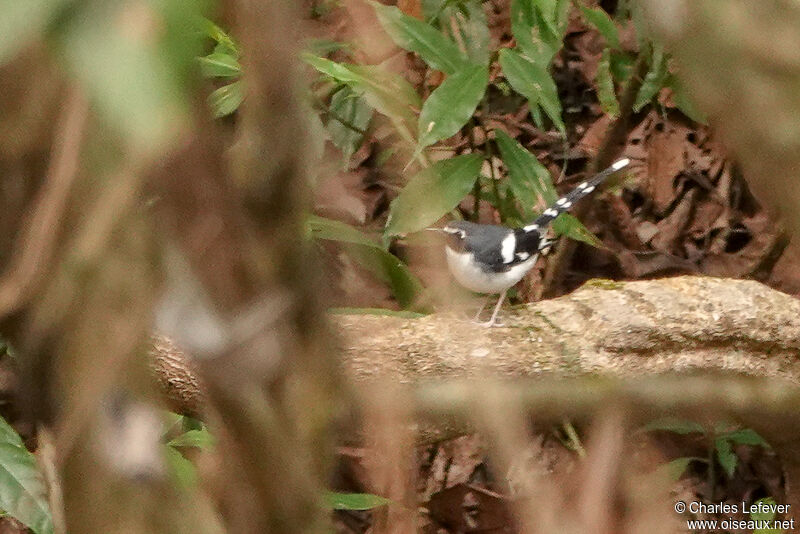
point(434, 229)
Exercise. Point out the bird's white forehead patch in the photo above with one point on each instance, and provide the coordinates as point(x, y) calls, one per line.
point(507, 247)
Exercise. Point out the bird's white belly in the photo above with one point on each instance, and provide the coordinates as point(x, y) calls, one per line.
point(470, 275)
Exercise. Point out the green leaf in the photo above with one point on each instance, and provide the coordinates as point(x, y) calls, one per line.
point(220, 37)
point(534, 83)
point(323, 47)
point(432, 193)
point(349, 118)
point(226, 99)
point(684, 103)
point(672, 424)
point(598, 18)
point(405, 314)
point(368, 253)
point(23, 20)
point(472, 29)
point(654, 80)
point(387, 93)
point(22, 490)
point(621, 66)
point(354, 501)
point(529, 180)
point(569, 225)
point(421, 38)
point(725, 455)
point(219, 65)
point(200, 439)
point(539, 29)
point(182, 469)
point(766, 515)
point(746, 436)
point(605, 85)
point(451, 105)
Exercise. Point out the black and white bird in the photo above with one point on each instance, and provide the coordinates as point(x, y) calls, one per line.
point(491, 259)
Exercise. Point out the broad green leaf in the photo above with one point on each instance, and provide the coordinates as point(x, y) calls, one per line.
point(654, 80)
point(22, 20)
point(129, 80)
point(671, 424)
point(432, 193)
point(219, 65)
point(421, 38)
point(405, 314)
point(605, 85)
point(569, 225)
point(725, 455)
point(22, 490)
point(472, 26)
point(534, 83)
point(683, 101)
point(226, 99)
point(387, 93)
point(450, 106)
point(354, 501)
point(323, 47)
point(529, 180)
point(746, 436)
point(368, 253)
point(349, 117)
point(200, 439)
point(598, 18)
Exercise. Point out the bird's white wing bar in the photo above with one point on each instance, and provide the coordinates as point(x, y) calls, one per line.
point(508, 247)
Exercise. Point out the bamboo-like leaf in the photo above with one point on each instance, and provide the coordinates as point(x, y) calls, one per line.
point(605, 85)
point(529, 180)
point(421, 38)
point(349, 119)
point(725, 456)
point(432, 193)
point(451, 105)
point(672, 424)
point(219, 65)
point(368, 253)
point(470, 23)
point(534, 83)
point(22, 490)
point(654, 80)
point(387, 93)
point(226, 99)
point(354, 501)
point(598, 18)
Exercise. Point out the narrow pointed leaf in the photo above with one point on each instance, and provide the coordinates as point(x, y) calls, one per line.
point(672, 424)
point(598, 18)
point(370, 255)
point(684, 103)
point(421, 38)
point(472, 26)
point(219, 65)
point(451, 105)
point(527, 26)
point(529, 180)
point(746, 436)
point(354, 501)
point(654, 80)
point(605, 85)
point(534, 83)
point(568, 225)
point(349, 119)
point(725, 456)
point(226, 99)
point(432, 193)
point(22, 490)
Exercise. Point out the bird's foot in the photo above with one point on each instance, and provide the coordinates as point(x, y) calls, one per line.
point(492, 323)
